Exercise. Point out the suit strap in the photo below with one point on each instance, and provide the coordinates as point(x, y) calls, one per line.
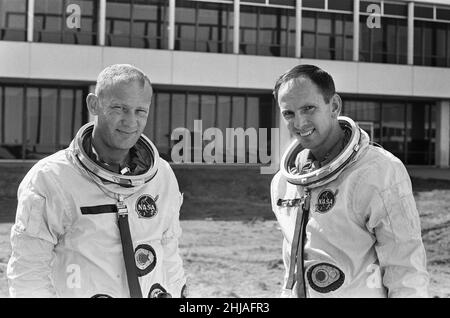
point(128, 251)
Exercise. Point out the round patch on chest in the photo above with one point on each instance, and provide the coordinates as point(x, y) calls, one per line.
point(325, 201)
point(145, 258)
point(146, 206)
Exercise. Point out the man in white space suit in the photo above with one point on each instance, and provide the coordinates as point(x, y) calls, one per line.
point(345, 206)
point(101, 218)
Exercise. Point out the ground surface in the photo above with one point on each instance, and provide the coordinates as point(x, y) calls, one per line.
point(231, 253)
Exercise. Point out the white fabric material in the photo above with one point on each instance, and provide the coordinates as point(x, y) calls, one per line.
point(372, 232)
point(59, 252)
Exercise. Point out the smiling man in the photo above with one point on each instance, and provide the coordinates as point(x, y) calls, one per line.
point(101, 218)
point(345, 206)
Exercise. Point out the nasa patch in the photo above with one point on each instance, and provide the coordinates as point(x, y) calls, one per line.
point(145, 258)
point(324, 277)
point(146, 206)
point(157, 291)
point(326, 200)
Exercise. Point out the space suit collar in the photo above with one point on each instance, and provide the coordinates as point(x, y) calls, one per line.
point(143, 145)
point(296, 156)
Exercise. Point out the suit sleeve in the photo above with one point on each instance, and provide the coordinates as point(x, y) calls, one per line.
point(394, 220)
point(172, 262)
point(34, 235)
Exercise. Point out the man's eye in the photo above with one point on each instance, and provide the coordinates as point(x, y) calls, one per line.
point(288, 114)
point(309, 108)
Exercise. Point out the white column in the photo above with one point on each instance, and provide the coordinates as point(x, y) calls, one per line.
point(298, 29)
point(101, 22)
point(355, 30)
point(442, 134)
point(410, 53)
point(171, 26)
point(236, 26)
point(30, 20)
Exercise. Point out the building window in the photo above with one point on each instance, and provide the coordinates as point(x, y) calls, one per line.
point(327, 35)
point(203, 27)
point(406, 129)
point(36, 121)
point(387, 44)
point(267, 31)
point(179, 109)
point(51, 19)
point(137, 23)
point(431, 43)
point(13, 20)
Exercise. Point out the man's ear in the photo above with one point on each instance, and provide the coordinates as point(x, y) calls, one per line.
point(93, 104)
point(336, 105)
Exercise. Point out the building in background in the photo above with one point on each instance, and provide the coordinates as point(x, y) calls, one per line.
point(218, 61)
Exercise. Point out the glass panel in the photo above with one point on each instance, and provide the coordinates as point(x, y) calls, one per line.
point(283, 2)
point(320, 4)
point(13, 20)
point(162, 119)
point(68, 109)
point(178, 110)
point(12, 123)
point(308, 45)
point(118, 23)
point(238, 109)
point(366, 112)
point(420, 134)
point(394, 128)
point(395, 9)
point(345, 5)
point(443, 14)
point(47, 133)
point(149, 24)
point(208, 103)
point(423, 12)
point(324, 24)
point(252, 112)
point(223, 113)
point(208, 24)
point(193, 113)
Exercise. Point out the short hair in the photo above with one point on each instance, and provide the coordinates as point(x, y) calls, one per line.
point(119, 73)
point(322, 79)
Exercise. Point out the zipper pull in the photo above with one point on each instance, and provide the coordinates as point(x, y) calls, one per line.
point(122, 209)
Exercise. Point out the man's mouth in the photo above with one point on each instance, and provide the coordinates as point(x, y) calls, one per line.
point(305, 133)
point(127, 132)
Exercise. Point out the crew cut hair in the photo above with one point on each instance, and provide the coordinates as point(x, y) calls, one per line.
point(322, 79)
point(119, 73)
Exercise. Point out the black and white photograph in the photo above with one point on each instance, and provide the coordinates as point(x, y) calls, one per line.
point(224, 149)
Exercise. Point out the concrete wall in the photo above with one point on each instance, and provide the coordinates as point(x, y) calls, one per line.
point(83, 63)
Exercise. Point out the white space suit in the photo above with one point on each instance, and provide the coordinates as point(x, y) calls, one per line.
point(66, 241)
point(362, 235)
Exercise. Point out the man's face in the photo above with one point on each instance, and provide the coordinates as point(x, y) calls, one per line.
point(308, 117)
point(122, 114)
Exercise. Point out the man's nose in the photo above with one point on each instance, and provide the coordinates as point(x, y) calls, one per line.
point(129, 118)
point(299, 121)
